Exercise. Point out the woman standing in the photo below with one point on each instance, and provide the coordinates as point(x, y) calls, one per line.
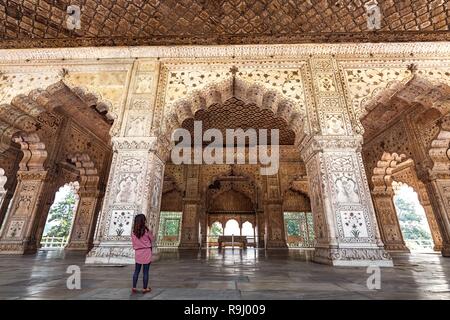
point(142, 244)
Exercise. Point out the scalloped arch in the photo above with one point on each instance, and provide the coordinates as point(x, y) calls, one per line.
point(386, 167)
point(218, 93)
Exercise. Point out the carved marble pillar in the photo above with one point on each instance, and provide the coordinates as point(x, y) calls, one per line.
point(260, 225)
point(191, 209)
point(274, 220)
point(439, 194)
point(83, 224)
point(203, 226)
point(134, 187)
point(344, 218)
point(437, 184)
point(431, 218)
point(387, 219)
point(18, 233)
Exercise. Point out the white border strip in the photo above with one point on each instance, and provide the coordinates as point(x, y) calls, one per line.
point(229, 51)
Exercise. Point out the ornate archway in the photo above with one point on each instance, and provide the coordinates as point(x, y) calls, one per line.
point(394, 167)
point(53, 128)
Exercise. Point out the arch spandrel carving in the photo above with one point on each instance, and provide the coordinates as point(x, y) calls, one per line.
point(269, 85)
point(218, 93)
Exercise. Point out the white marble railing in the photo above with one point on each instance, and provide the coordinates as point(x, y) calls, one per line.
point(53, 242)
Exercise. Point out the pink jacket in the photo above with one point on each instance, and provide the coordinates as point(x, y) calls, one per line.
point(143, 248)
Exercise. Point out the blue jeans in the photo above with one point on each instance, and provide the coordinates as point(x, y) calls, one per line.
point(137, 270)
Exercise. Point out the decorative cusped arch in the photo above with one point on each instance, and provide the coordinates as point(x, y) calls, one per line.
point(89, 177)
point(394, 167)
point(32, 121)
point(217, 93)
point(382, 174)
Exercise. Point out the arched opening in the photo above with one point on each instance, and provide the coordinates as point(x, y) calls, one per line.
point(60, 218)
point(62, 135)
point(247, 229)
point(406, 140)
point(299, 228)
point(297, 214)
point(232, 228)
point(214, 232)
point(169, 231)
point(224, 190)
point(412, 218)
point(392, 171)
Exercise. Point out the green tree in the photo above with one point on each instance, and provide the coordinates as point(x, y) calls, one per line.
point(216, 229)
point(412, 224)
point(61, 213)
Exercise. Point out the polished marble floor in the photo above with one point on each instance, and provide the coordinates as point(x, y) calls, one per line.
point(229, 274)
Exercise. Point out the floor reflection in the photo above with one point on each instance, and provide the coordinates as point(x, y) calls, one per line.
point(224, 274)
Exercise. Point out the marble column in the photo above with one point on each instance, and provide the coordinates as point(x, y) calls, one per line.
point(439, 195)
point(191, 209)
point(84, 222)
point(436, 178)
point(21, 221)
point(134, 187)
point(274, 220)
point(203, 226)
point(344, 218)
point(387, 219)
point(431, 218)
point(260, 225)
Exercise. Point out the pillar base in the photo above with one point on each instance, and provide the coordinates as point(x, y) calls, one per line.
point(276, 245)
point(73, 246)
point(118, 254)
point(189, 246)
point(445, 250)
point(396, 248)
point(16, 248)
point(353, 257)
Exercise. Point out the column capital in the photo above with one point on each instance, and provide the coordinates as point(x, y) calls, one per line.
point(32, 175)
point(89, 192)
point(159, 146)
point(321, 143)
point(382, 191)
point(134, 143)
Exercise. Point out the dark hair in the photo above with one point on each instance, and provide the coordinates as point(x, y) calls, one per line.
point(139, 227)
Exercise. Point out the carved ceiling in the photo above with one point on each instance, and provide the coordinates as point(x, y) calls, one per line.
point(234, 114)
point(42, 23)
